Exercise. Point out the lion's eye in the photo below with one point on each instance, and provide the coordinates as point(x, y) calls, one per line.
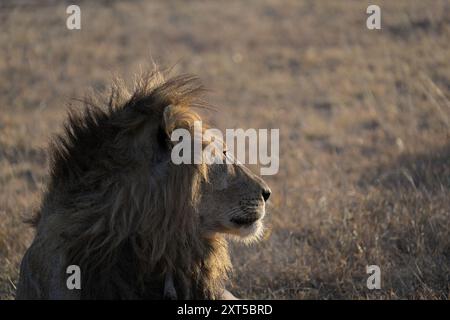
point(229, 157)
point(225, 154)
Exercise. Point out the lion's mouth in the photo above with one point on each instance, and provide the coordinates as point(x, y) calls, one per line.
point(245, 221)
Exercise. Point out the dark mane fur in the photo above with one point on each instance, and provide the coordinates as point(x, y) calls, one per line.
point(117, 207)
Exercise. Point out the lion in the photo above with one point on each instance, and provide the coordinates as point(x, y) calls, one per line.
point(137, 225)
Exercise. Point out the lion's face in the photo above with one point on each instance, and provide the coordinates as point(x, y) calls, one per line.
point(233, 202)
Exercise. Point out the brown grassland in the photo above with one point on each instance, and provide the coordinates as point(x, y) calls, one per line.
point(364, 120)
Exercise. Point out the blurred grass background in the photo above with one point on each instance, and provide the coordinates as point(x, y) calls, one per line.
point(364, 120)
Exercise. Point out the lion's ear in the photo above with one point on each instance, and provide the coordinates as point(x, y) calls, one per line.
point(168, 122)
point(178, 117)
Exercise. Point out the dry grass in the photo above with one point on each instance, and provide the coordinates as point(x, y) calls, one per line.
point(364, 116)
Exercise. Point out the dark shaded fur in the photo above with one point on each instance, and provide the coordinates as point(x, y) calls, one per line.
point(117, 207)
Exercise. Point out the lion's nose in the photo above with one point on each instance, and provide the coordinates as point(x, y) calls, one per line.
point(266, 194)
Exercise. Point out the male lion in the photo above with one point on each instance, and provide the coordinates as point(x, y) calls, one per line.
point(137, 225)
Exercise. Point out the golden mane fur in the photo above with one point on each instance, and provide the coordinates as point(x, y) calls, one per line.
point(115, 211)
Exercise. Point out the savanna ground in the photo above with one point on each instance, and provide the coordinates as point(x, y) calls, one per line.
point(364, 120)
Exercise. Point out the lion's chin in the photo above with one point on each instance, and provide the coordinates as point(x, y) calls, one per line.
point(249, 233)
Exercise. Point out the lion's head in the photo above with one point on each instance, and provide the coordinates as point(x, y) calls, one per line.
point(231, 199)
point(118, 207)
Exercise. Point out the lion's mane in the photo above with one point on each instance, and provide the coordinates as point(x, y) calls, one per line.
point(119, 209)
